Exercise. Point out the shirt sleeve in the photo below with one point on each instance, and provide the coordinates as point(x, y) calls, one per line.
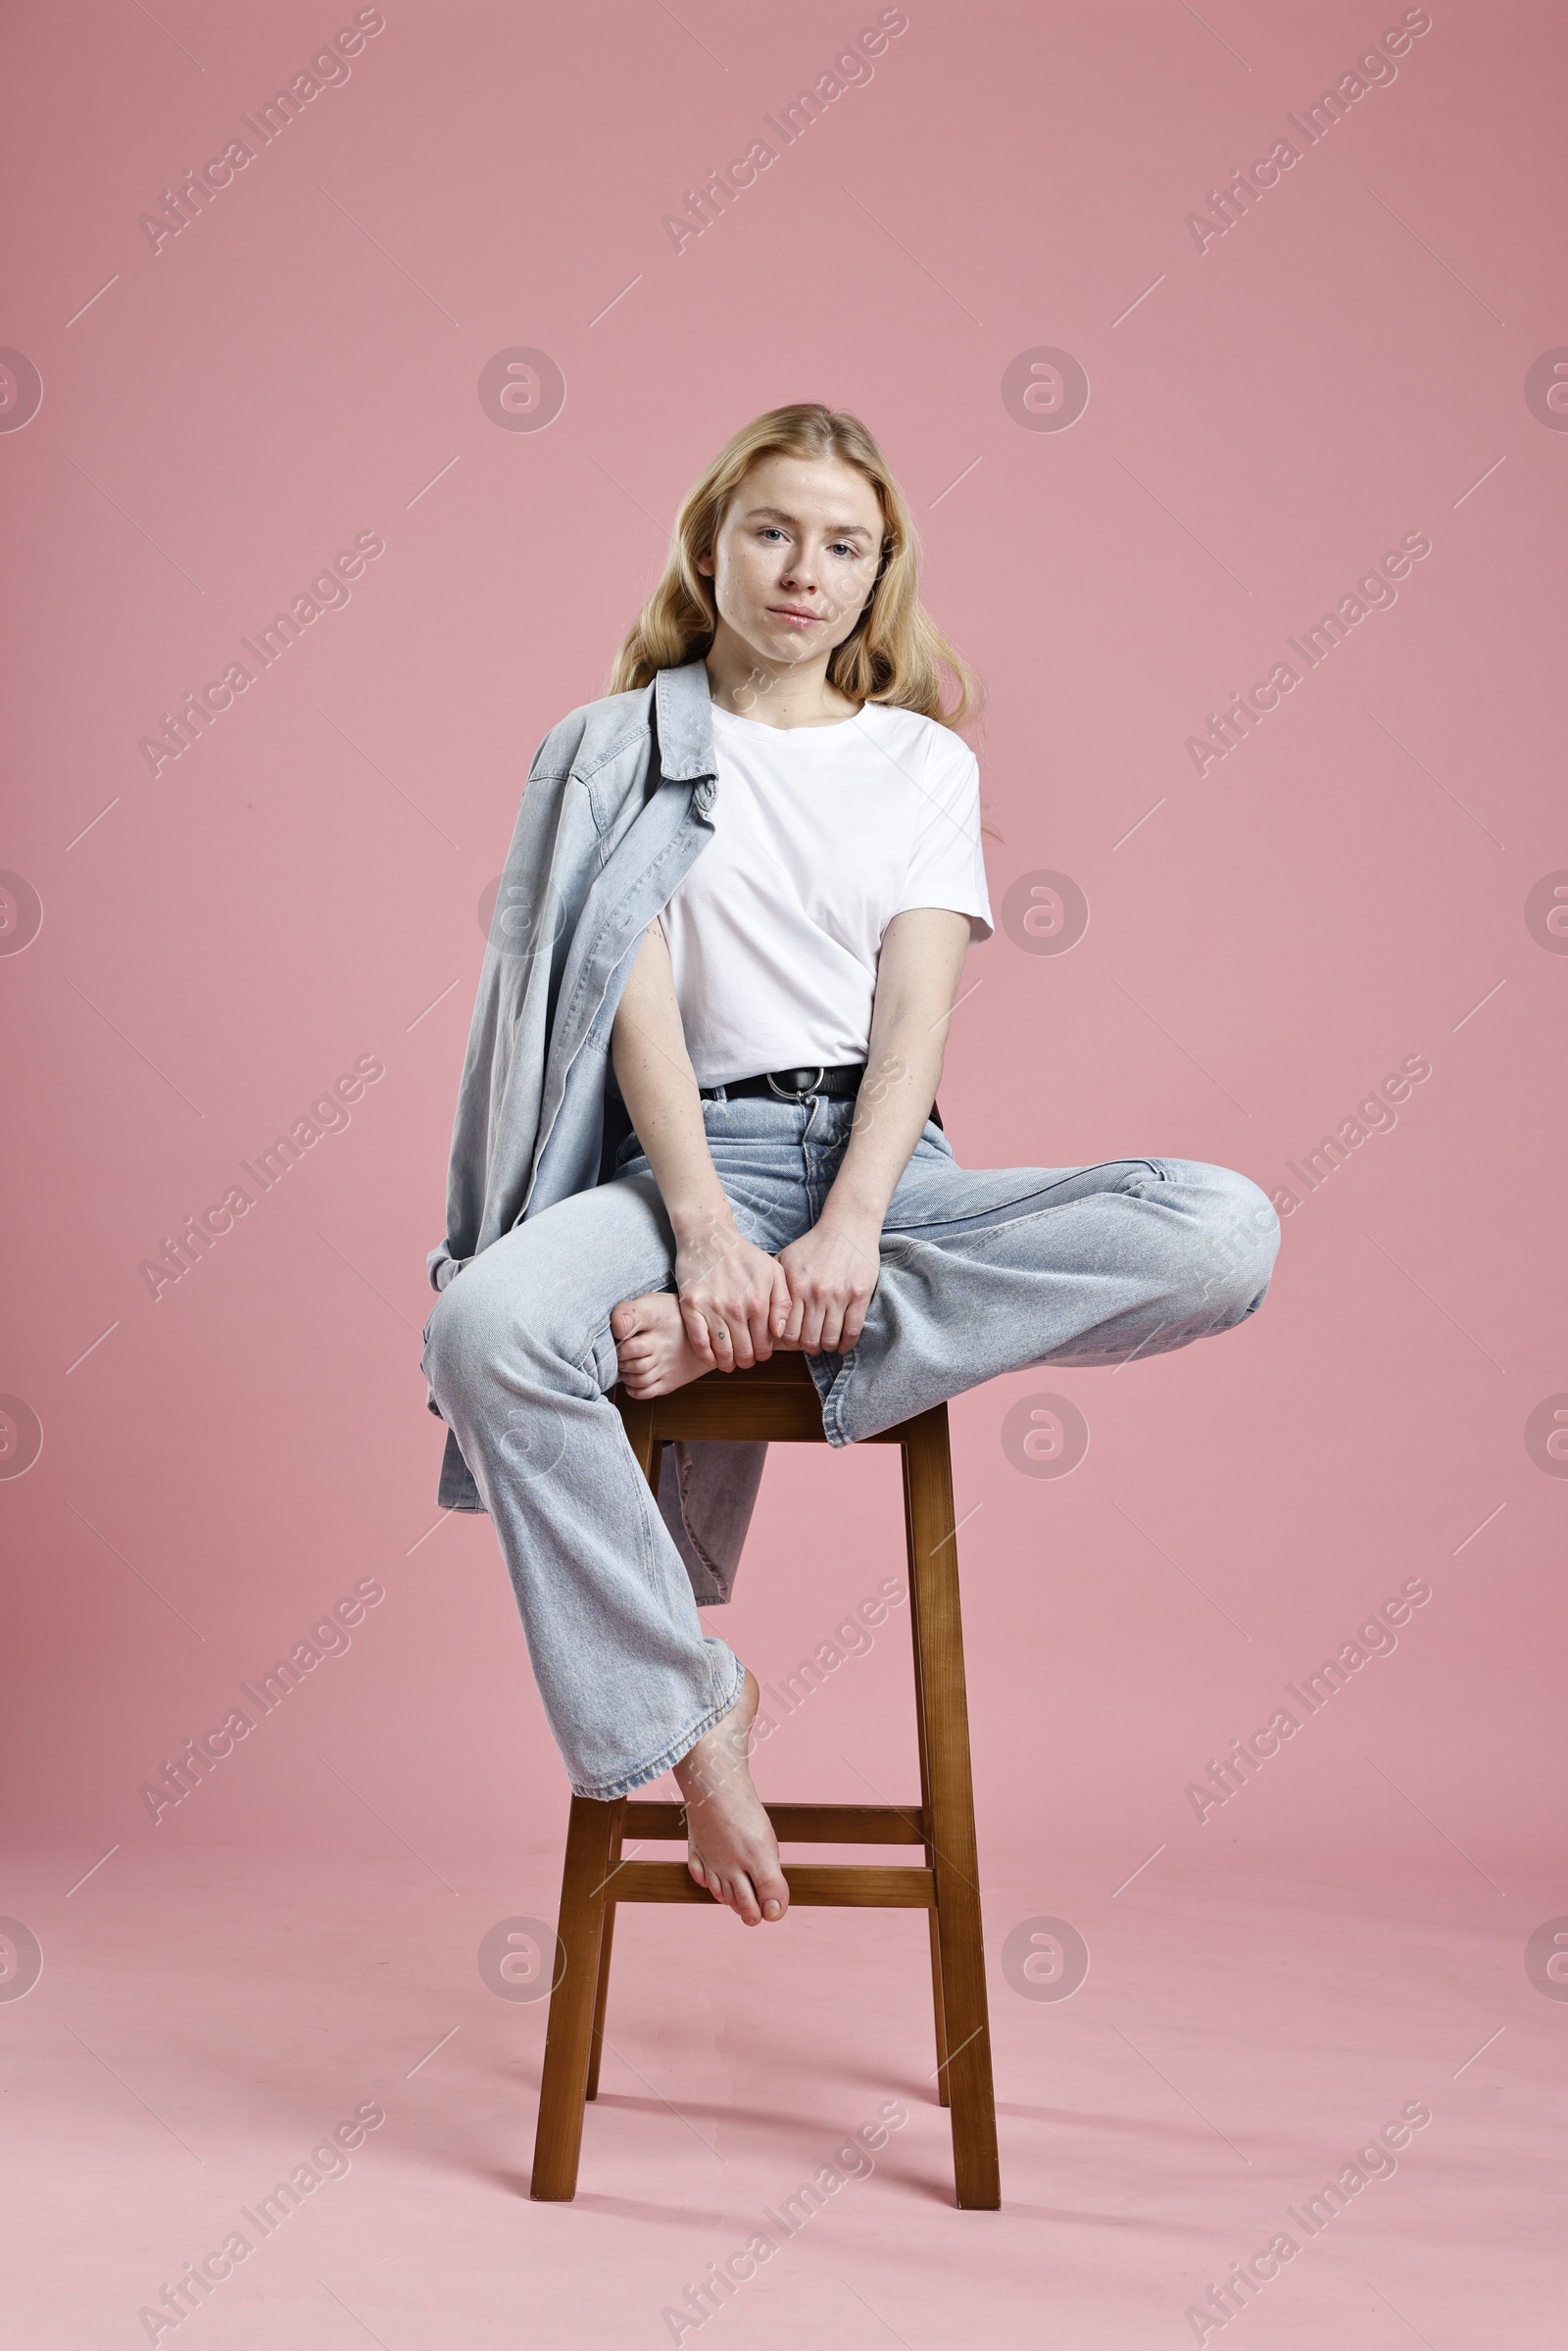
point(947, 865)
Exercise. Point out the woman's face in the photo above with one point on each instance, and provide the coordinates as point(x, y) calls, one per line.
point(795, 557)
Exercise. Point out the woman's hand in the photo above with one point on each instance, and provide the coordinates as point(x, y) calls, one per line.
point(833, 1269)
point(832, 1272)
point(734, 1299)
point(732, 1295)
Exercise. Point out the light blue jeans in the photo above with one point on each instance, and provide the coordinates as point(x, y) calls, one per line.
point(983, 1270)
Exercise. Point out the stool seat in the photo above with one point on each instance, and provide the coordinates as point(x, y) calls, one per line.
point(778, 1401)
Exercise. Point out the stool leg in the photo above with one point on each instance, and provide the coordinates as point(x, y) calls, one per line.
point(606, 1942)
point(943, 1710)
point(944, 2094)
point(592, 1833)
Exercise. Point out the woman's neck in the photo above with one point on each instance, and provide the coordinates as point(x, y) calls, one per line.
point(776, 694)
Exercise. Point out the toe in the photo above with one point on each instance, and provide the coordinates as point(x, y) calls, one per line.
point(742, 1898)
point(774, 1893)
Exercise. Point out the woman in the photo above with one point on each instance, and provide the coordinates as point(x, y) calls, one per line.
point(747, 879)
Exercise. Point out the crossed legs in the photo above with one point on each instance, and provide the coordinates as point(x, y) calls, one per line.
point(981, 1271)
point(989, 1270)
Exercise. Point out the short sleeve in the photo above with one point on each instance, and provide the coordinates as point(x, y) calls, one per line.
point(947, 865)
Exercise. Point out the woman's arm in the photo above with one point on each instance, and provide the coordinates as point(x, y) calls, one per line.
point(832, 1270)
point(733, 1296)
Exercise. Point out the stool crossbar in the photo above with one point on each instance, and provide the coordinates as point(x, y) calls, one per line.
point(777, 1401)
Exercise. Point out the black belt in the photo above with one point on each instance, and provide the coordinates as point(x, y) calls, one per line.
point(841, 1083)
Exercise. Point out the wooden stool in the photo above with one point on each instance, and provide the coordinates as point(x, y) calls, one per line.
point(778, 1401)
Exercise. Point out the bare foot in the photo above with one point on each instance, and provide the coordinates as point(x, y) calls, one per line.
point(731, 1848)
point(651, 1346)
point(654, 1354)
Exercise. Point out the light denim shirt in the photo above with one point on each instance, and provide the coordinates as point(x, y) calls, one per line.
point(615, 813)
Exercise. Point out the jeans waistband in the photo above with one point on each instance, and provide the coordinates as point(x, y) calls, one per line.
point(839, 1082)
point(759, 1088)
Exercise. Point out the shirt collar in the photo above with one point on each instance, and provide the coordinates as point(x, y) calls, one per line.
point(685, 722)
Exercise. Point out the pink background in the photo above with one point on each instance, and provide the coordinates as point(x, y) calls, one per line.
point(301, 888)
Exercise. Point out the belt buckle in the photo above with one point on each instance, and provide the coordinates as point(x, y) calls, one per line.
point(801, 1095)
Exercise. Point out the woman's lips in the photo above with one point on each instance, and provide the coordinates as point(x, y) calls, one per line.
point(783, 611)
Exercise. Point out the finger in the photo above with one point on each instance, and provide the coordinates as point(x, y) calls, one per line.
point(845, 1326)
point(723, 1351)
point(759, 1322)
point(696, 1332)
point(796, 1317)
point(778, 1304)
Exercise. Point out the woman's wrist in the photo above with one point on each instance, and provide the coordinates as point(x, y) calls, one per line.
point(703, 1216)
point(855, 1205)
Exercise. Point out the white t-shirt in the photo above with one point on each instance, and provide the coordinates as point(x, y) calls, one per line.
point(821, 835)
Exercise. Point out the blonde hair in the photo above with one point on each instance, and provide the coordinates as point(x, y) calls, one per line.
point(895, 654)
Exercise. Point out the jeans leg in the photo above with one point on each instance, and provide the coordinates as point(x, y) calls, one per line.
point(519, 1355)
point(985, 1271)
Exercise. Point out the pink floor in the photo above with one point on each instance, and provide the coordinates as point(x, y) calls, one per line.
point(205, 2022)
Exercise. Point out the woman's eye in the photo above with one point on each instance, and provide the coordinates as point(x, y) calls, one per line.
point(840, 547)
